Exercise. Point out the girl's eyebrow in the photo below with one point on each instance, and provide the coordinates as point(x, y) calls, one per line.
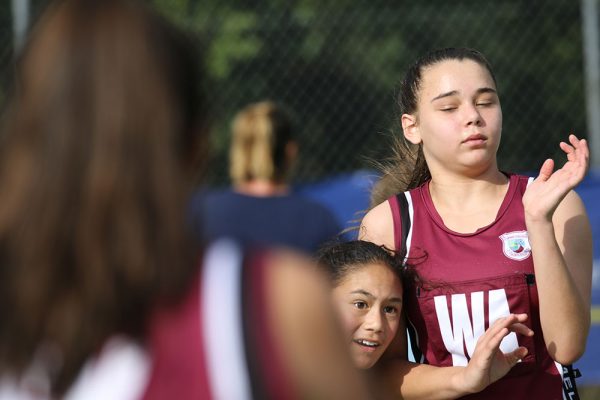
point(455, 92)
point(364, 292)
point(447, 94)
point(486, 90)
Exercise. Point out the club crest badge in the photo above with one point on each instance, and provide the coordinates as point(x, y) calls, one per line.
point(515, 245)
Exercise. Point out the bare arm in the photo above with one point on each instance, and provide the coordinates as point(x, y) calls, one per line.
point(309, 339)
point(420, 381)
point(561, 243)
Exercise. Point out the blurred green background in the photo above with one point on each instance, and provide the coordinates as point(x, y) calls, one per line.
point(336, 64)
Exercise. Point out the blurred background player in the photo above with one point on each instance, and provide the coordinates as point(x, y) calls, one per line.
point(261, 208)
point(101, 291)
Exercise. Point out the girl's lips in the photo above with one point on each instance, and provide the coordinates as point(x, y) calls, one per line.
point(475, 138)
point(475, 141)
point(367, 345)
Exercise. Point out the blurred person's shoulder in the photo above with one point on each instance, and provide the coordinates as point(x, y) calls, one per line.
point(314, 212)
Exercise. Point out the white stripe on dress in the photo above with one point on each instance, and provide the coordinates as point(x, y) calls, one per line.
point(559, 367)
point(222, 324)
point(121, 372)
point(411, 213)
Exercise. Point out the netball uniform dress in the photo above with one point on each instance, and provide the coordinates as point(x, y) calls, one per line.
point(217, 343)
point(467, 281)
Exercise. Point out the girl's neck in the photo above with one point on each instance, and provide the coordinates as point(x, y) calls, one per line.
point(466, 204)
point(262, 188)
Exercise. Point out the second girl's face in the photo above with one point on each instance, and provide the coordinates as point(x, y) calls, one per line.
point(459, 119)
point(369, 301)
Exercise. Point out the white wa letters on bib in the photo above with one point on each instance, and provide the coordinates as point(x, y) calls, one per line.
point(460, 334)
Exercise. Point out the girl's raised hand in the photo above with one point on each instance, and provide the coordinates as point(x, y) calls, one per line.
point(546, 192)
point(489, 363)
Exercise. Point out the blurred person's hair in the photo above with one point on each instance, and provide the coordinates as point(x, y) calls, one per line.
point(261, 133)
point(97, 154)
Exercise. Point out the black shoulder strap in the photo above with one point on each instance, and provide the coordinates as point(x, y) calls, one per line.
point(405, 220)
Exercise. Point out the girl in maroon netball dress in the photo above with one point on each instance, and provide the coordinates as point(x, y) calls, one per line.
point(486, 244)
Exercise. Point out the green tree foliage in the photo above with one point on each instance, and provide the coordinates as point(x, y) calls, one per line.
point(337, 63)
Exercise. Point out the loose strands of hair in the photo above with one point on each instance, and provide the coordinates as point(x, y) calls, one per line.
point(404, 170)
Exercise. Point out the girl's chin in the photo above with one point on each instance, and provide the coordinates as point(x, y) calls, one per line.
point(363, 366)
point(365, 362)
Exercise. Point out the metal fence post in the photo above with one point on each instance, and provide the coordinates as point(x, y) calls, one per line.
point(20, 15)
point(591, 57)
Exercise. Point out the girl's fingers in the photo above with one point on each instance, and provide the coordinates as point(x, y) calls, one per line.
point(576, 146)
point(567, 148)
point(521, 329)
point(579, 147)
point(546, 169)
point(503, 326)
point(574, 140)
point(496, 339)
point(583, 148)
point(514, 356)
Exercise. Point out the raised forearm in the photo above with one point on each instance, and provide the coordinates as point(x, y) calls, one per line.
point(564, 314)
point(411, 381)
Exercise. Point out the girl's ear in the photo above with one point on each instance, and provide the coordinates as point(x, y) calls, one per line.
point(410, 128)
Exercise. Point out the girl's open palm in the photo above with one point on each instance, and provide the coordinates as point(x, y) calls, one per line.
point(546, 192)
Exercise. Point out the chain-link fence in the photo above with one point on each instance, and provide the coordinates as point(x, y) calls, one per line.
point(337, 63)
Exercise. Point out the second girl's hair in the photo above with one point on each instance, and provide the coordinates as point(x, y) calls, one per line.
point(407, 168)
point(261, 132)
point(341, 258)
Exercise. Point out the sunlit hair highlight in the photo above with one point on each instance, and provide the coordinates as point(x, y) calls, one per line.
point(260, 133)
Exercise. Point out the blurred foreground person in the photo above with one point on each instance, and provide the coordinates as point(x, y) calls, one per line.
point(261, 208)
point(101, 293)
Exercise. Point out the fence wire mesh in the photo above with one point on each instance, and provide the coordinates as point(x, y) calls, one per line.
point(336, 64)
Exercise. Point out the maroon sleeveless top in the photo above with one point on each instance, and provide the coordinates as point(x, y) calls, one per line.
point(466, 282)
point(218, 343)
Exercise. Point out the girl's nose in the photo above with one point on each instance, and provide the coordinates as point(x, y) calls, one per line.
point(472, 116)
point(374, 320)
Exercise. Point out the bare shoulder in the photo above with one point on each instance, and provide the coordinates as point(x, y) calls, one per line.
point(378, 226)
point(571, 205)
point(570, 220)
